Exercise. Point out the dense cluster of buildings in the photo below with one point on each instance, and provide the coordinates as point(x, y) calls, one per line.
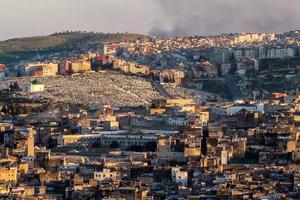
point(239, 60)
point(170, 149)
point(151, 55)
point(54, 68)
point(131, 67)
point(74, 128)
point(213, 56)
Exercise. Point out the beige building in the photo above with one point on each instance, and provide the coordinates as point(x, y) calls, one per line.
point(139, 69)
point(179, 102)
point(8, 175)
point(131, 67)
point(106, 174)
point(50, 176)
point(253, 37)
point(192, 151)
point(23, 168)
point(50, 69)
point(80, 66)
point(173, 76)
point(41, 69)
point(164, 151)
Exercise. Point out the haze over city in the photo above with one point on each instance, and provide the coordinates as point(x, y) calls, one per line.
point(21, 18)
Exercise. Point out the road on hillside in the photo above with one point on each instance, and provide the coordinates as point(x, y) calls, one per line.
point(161, 90)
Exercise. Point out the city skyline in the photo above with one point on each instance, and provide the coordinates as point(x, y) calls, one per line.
point(157, 17)
point(150, 99)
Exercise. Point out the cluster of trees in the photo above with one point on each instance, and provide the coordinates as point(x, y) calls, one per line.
point(86, 32)
point(15, 109)
point(14, 86)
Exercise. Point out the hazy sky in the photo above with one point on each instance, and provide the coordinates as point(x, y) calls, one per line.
point(173, 17)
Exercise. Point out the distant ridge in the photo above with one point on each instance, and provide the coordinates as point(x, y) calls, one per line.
point(63, 40)
point(14, 50)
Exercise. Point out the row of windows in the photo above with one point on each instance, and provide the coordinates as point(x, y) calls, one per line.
point(125, 143)
point(9, 175)
point(104, 176)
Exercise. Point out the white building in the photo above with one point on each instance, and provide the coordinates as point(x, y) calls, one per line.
point(280, 53)
point(128, 139)
point(2, 74)
point(87, 138)
point(179, 176)
point(34, 86)
point(224, 157)
point(259, 107)
point(256, 65)
point(231, 109)
point(241, 69)
point(3, 71)
point(238, 54)
point(262, 53)
point(250, 53)
point(177, 121)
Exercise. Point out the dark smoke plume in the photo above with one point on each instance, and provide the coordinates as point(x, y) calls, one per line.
point(199, 17)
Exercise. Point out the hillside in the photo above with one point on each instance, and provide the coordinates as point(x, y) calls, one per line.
point(22, 48)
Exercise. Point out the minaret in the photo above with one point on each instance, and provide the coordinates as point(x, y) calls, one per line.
point(30, 143)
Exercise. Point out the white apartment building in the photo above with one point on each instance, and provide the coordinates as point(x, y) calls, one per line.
point(230, 109)
point(241, 69)
point(179, 176)
point(224, 157)
point(280, 53)
point(259, 107)
point(128, 139)
point(177, 121)
point(46, 69)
